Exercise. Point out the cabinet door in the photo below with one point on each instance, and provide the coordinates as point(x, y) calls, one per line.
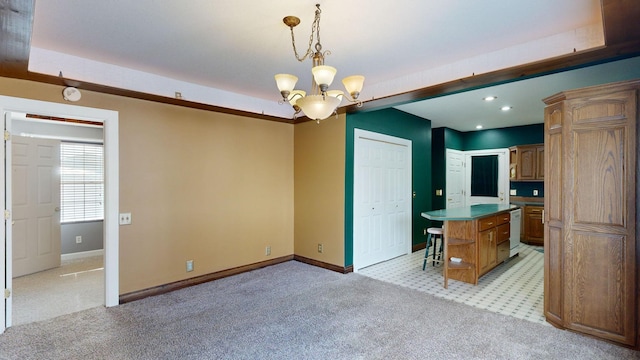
point(540, 162)
point(527, 163)
point(534, 228)
point(600, 250)
point(487, 250)
point(553, 243)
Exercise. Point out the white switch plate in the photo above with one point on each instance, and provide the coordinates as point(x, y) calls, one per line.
point(189, 265)
point(535, 192)
point(79, 239)
point(125, 218)
point(512, 191)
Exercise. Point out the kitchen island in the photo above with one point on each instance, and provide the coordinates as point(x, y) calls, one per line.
point(476, 239)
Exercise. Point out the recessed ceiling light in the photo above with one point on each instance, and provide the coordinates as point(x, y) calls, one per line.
point(489, 98)
point(505, 108)
point(478, 127)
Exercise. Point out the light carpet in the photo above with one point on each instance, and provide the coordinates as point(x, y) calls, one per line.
point(297, 311)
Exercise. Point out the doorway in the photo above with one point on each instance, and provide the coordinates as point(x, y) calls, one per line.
point(58, 212)
point(109, 119)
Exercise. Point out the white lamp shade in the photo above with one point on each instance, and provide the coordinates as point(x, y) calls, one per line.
point(286, 82)
point(353, 83)
point(336, 94)
point(296, 95)
point(318, 107)
point(323, 74)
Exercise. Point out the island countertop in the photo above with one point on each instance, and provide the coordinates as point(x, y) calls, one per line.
point(467, 212)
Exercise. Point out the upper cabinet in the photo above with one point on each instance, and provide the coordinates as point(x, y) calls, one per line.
point(526, 163)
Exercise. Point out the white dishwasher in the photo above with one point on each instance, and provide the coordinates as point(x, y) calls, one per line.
point(514, 231)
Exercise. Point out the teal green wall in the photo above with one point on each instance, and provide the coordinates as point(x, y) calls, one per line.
point(399, 124)
point(504, 137)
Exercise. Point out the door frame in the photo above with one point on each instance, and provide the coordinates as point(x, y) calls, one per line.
point(359, 135)
point(109, 118)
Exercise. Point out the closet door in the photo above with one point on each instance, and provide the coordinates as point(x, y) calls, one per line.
point(599, 213)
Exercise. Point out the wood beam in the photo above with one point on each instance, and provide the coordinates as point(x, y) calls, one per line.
point(16, 19)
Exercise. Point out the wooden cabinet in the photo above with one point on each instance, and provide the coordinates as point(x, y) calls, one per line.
point(533, 225)
point(591, 249)
point(479, 243)
point(526, 163)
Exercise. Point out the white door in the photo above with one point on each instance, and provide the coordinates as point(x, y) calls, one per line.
point(455, 178)
point(382, 198)
point(35, 179)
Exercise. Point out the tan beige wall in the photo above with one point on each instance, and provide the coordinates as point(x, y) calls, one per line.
point(319, 153)
point(210, 187)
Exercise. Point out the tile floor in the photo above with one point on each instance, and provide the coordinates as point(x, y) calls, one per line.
point(75, 285)
point(514, 288)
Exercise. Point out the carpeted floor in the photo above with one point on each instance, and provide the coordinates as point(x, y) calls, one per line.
point(297, 311)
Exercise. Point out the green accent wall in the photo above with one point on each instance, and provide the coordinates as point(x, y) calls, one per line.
point(504, 137)
point(399, 124)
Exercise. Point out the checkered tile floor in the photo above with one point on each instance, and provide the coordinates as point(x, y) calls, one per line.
point(514, 288)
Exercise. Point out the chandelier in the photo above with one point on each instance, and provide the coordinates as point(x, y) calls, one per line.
point(321, 102)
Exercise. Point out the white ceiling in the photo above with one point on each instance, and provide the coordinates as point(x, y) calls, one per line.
point(226, 52)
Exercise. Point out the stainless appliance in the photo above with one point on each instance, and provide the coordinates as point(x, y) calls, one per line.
point(514, 230)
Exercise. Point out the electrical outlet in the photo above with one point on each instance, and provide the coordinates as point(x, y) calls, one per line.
point(267, 250)
point(125, 218)
point(320, 248)
point(535, 192)
point(439, 192)
point(424, 231)
point(78, 239)
point(189, 265)
point(512, 192)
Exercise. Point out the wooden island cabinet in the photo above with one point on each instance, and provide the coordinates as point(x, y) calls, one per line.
point(477, 236)
point(590, 232)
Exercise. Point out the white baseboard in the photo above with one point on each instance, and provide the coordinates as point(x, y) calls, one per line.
point(82, 254)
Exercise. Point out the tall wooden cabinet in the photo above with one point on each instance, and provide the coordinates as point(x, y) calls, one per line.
point(590, 232)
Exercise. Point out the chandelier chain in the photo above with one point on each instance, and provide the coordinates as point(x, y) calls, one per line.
point(315, 27)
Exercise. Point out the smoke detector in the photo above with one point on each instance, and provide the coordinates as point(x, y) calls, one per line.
point(71, 94)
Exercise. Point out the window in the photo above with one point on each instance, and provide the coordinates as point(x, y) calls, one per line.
point(484, 175)
point(81, 182)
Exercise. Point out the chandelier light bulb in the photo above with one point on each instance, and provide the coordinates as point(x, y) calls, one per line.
point(353, 84)
point(286, 82)
point(324, 74)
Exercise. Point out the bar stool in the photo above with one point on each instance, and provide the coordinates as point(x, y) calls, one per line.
point(433, 233)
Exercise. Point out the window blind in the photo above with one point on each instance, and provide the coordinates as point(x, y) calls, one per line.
point(81, 182)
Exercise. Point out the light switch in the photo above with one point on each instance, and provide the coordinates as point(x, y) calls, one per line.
point(125, 218)
point(512, 192)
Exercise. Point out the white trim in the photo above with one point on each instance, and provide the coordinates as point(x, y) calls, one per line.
point(82, 255)
point(503, 178)
point(109, 119)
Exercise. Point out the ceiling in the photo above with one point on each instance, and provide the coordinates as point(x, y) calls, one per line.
point(225, 52)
